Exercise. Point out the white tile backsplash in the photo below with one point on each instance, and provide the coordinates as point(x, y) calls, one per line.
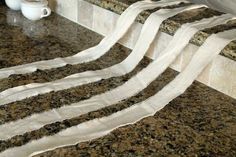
point(85, 13)
point(223, 75)
point(103, 21)
point(66, 8)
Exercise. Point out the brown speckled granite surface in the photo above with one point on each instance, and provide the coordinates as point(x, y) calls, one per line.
point(42, 40)
point(188, 126)
point(171, 25)
point(201, 122)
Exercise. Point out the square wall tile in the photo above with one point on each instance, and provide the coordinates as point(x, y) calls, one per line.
point(223, 75)
point(85, 13)
point(66, 8)
point(104, 21)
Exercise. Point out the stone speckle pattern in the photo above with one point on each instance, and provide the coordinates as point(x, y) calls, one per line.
point(171, 25)
point(42, 40)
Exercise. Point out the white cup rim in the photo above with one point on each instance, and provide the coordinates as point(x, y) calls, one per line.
point(39, 3)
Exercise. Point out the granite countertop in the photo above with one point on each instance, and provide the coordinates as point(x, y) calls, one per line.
point(170, 25)
point(201, 122)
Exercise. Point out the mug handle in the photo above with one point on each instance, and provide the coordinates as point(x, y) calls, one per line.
point(46, 11)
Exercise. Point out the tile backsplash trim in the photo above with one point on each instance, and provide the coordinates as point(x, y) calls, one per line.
point(220, 74)
point(169, 26)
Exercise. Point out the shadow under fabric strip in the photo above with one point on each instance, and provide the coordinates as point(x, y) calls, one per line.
point(130, 88)
point(124, 23)
point(100, 127)
point(148, 34)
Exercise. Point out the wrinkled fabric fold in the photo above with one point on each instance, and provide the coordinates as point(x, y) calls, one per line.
point(148, 34)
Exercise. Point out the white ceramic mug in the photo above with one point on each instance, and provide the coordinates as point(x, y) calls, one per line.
point(35, 9)
point(14, 4)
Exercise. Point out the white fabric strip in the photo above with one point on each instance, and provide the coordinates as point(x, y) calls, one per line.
point(130, 88)
point(146, 38)
point(124, 23)
point(99, 127)
point(227, 6)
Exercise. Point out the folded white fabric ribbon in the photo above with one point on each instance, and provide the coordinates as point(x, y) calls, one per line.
point(148, 34)
point(130, 88)
point(100, 127)
point(124, 23)
point(227, 6)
